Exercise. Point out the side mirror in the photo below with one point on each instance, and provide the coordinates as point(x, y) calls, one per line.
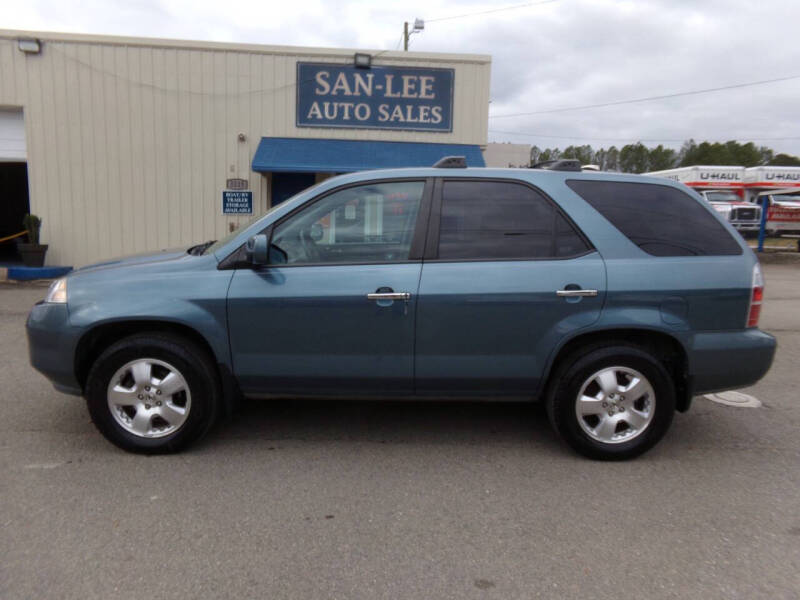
point(257, 249)
point(277, 256)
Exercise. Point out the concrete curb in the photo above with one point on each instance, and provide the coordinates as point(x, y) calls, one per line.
point(31, 273)
point(779, 258)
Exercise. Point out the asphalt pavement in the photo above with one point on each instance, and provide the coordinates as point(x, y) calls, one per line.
point(348, 500)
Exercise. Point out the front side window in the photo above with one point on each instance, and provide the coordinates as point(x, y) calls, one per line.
point(371, 223)
point(496, 220)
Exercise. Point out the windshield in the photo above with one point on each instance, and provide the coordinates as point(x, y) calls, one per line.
point(722, 197)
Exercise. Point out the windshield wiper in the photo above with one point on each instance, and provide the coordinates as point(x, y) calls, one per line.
point(200, 248)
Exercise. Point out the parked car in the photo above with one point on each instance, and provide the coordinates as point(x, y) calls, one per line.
point(744, 216)
point(613, 299)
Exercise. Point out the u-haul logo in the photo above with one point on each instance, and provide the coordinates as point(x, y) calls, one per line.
point(785, 176)
point(720, 176)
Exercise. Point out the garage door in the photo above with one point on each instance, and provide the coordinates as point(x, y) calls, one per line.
point(12, 136)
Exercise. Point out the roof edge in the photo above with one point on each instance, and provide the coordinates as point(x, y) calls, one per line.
point(113, 40)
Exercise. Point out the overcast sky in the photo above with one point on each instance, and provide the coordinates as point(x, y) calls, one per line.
point(556, 54)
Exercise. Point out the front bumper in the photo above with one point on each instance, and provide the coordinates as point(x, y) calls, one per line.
point(724, 360)
point(746, 226)
point(51, 345)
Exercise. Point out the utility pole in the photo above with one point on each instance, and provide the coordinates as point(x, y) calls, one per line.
point(419, 25)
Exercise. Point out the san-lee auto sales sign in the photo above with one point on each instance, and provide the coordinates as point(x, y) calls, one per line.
point(330, 95)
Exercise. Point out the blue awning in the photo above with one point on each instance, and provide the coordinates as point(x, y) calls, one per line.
point(343, 156)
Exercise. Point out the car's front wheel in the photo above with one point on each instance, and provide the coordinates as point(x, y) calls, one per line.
point(612, 403)
point(153, 393)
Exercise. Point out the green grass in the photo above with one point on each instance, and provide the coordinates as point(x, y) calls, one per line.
point(776, 242)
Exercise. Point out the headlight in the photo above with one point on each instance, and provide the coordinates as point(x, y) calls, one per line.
point(57, 292)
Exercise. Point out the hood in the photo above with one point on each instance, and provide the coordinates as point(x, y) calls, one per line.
point(785, 203)
point(135, 259)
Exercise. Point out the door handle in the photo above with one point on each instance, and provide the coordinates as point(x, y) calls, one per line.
point(405, 296)
point(575, 293)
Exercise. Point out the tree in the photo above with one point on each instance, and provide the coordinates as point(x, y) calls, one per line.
point(550, 154)
point(611, 160)
point(746, 155)
point(536, 152)
point(584, 154)
point(784, 160)
point(637, 158)
point(661, 158)
point(634, 158)
point(729, 153)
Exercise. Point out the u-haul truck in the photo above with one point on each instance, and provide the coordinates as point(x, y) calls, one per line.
point(723, 188)
point(778, 189)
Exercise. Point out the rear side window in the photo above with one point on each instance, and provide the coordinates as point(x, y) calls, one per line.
point(498, 220)
point(661, 220)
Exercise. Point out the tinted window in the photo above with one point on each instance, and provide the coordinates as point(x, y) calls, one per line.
point(501, 220)
point(367, 223)
point(661, 220)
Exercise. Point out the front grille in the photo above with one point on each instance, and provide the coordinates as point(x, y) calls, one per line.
point(743, 214)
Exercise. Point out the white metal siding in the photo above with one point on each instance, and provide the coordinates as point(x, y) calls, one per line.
point(130, 141)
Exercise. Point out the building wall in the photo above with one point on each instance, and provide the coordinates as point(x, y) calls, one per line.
point(507, 155)
point(130, 141)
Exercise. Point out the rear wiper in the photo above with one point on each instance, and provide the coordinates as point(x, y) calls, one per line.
point(200, 248)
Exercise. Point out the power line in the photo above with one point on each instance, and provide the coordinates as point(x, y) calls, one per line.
point(568, 137)
point(630, 140)
point(491, 10)
point(648, 99)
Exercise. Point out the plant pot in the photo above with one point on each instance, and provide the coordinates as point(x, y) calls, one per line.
point(32, 254)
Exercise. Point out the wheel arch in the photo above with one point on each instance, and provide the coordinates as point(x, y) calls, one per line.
point(666, 347)
point(98, 338)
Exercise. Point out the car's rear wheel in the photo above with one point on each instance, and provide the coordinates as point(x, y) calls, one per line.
point(153, 393)
point(612, 403)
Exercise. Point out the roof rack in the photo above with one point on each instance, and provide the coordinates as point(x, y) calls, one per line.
point(562, 164)
point(451, 162)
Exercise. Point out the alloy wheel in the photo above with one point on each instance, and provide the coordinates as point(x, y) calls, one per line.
point(615, 405)
point(149, 398)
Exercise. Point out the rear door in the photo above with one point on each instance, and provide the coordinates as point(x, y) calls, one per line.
point(506, 276)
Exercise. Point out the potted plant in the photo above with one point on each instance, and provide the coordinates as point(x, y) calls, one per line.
point(33, 252)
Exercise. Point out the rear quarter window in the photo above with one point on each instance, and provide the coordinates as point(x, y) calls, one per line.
point(659, 219)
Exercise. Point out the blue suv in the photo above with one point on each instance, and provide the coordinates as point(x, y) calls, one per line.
point(613, 299)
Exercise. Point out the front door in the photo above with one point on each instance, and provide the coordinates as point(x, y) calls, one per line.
point(506, 276)
point(336, 317)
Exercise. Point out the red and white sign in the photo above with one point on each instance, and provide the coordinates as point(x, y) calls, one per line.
point(783, 217)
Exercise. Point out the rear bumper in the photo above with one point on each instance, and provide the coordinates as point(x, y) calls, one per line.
point(729, 359)
point(51, 345)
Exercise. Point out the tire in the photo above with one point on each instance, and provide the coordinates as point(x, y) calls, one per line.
point(154, 410)
point(634, 417)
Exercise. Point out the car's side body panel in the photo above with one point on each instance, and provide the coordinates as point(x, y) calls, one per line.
point(701, 302)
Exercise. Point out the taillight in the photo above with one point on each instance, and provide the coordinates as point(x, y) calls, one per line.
point(756, 298)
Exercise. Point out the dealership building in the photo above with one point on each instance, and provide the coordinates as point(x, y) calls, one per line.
point(126, 145)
